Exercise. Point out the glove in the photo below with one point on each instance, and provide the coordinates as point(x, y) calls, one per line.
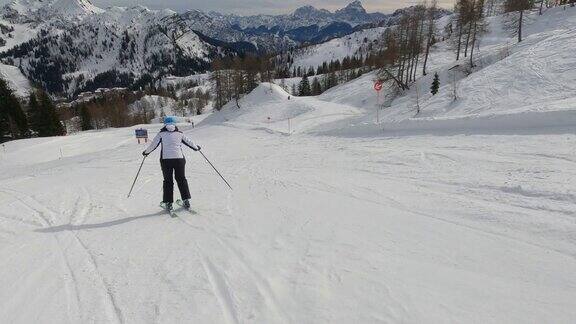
point(198, 148)
point(145, 154)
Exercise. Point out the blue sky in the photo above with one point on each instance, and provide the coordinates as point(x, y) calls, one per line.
point(249, 7)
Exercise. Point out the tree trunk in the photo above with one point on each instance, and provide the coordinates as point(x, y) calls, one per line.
point(406, 70)
point(401, 46)
point(520, 26)
point(426, 58)
point(428, 45)
point(473, 44)
point(416, 66)
point(541, 4)
point(419, 46)
point(459, 41)
point(468, 40)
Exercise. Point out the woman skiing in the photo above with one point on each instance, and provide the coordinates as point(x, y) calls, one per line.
point(172, 161)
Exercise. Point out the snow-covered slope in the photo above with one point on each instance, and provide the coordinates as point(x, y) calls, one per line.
point(513, 86)
point(70, 9)
point(16, 80)
point(538, 72)
point(467, 229)
point(270, 107)
point(338, 48)
point(14, 34)
point(159, 106)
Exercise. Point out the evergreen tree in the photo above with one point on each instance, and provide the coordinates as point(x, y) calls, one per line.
point(34, 113)
point(13, 122)
point(435, 84)
point(294, 90)
point(86, 118)
point(304, 88)
point(46, 121)
point(316, 87)
point(4, 124)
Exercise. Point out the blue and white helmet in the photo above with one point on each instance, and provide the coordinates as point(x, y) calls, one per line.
point(169, 120)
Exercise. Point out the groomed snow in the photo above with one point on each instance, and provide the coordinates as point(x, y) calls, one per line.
point(317, 230)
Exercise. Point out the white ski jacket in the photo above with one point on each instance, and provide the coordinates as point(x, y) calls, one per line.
point(171, 144)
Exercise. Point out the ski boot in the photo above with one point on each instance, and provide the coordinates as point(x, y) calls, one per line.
point(169, 208)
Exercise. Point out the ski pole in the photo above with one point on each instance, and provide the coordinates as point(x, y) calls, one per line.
point(213, 167)
point(137, 174)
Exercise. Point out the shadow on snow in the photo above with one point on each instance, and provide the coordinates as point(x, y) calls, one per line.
point(70, 227)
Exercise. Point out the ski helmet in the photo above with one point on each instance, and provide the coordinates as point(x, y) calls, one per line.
point(169, 120)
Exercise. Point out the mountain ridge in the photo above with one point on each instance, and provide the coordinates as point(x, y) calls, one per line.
point(68, 46)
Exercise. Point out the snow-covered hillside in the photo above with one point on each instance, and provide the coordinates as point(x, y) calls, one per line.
point(270, 107)
point(338, 48)
point(513, 85)
point(16, 80)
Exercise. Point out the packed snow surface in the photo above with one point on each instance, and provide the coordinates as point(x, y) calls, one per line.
point(317, 230)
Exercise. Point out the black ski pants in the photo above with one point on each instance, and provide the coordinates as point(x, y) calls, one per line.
point(177, 167)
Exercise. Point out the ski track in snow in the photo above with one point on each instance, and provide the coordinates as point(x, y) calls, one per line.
point(48, 216)
point(217, 280)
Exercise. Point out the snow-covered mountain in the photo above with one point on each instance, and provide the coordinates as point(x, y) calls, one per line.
point(68, 46)
point(353, 14)
point(355, 44)
point(38, 10)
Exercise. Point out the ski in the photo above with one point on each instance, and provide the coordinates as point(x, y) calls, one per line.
point(180, 203)
point(170, 210)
